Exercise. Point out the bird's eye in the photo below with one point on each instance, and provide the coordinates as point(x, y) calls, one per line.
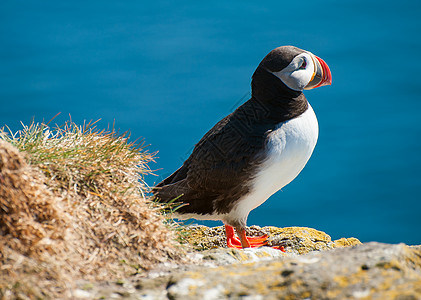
point(304, 64)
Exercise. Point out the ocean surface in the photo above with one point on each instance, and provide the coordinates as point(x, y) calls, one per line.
point(169, 70)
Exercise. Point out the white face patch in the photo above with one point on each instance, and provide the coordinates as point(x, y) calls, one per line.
point(298, 73)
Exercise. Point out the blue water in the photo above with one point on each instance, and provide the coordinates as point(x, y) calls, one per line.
point(167, 72)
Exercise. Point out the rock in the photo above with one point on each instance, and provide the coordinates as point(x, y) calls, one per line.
point(328, 270)
point(224, 256)
point(298, 240)
point(369, 271)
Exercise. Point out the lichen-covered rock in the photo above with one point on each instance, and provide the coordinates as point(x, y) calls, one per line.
point(299, 240)
point(223, 256)
point(369, 271)
point(328, 270)
point(303, 240)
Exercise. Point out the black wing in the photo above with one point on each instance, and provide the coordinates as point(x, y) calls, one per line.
point(221, 165)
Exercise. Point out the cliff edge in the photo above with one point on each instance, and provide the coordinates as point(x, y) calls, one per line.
point(76, 223)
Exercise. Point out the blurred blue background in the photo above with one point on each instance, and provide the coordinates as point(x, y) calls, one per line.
point(168, 72)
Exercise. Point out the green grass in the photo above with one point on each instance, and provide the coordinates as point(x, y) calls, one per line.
point(79, 155)
point(92, 182)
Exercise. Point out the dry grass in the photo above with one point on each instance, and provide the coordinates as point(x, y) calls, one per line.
point(73, 205)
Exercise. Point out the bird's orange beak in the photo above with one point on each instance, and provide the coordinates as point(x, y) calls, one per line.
point(321, 75)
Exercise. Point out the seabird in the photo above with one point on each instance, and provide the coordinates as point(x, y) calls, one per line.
point(254, 151)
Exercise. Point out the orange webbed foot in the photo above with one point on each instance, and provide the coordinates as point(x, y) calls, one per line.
point(246, 241)
point(243, 241)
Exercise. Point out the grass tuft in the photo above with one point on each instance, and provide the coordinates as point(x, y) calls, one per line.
point(73, 205)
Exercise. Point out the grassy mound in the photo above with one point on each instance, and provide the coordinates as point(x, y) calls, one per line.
point(73, 205)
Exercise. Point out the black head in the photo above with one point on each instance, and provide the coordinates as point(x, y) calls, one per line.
point(296, 68)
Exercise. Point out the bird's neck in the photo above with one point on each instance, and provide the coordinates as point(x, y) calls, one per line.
point(278, 102)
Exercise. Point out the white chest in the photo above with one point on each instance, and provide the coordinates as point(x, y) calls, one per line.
point(289, 147)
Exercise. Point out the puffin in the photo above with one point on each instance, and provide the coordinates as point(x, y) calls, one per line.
point(254, 151)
